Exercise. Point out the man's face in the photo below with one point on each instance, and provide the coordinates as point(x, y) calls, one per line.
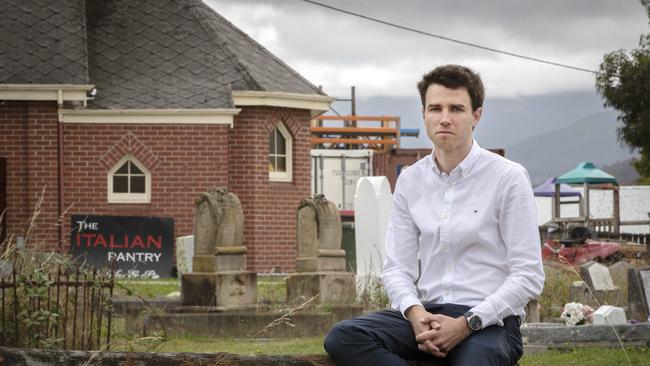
point(449, 119)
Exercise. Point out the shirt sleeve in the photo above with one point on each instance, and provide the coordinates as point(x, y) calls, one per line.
point(400, 271)
point(520, 234)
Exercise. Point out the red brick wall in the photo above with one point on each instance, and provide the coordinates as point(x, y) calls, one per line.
point(28, 136)
point(184, 161)
point(269, 207)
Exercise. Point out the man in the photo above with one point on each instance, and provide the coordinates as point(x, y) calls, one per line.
point(468, 216)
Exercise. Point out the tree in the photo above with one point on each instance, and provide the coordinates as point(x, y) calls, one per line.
point(623, 81)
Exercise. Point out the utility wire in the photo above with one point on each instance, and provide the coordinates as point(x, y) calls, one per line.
point(450, 39)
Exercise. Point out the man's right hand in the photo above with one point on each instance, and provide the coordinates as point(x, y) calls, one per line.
point(421, 321)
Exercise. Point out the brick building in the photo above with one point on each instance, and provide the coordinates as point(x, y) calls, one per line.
point(135, 107)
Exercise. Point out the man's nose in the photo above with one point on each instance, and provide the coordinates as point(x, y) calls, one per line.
point(444, 117)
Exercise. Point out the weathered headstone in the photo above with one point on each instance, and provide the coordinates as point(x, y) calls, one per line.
point(618, 271)
point(638, 293)
point(597, 276)
point(321, 261)
point(609, 315)
point(219, 279)
point(600, 282)
point(645, 281)
point(532, 311)
point(184, 254)
point(372, 205)
point(579, 292)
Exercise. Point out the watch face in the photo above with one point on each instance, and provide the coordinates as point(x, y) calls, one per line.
point(474, 322)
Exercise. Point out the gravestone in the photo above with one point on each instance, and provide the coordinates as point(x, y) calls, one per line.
point(609, 315)
point(597, 276)
point(638, 293)
point(600, 281)
point(219, 279)
point(184, 254)
point(619, 277)
point(372, 204)
point(579, 292)
point(320, 264)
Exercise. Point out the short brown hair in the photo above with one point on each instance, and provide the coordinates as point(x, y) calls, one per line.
point(454, 77)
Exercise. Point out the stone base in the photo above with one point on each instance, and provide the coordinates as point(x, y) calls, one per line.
point(320, 264)
point(238, 309)
point(218, 263)
point(333, 287)
point(222, 289)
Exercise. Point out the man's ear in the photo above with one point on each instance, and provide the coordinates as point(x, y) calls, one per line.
point(476, 116)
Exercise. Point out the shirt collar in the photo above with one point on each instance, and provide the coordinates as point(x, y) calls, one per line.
point(466, 165)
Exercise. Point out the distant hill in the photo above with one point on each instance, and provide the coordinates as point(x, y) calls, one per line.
point(623, 171)
point(554, 153)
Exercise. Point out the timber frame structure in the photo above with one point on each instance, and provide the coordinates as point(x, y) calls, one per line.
point(379, 132)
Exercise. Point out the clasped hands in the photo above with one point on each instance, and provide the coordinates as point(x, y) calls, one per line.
point(437, 334)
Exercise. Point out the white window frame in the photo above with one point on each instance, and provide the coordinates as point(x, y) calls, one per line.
point(130, 197)
point(285, 176)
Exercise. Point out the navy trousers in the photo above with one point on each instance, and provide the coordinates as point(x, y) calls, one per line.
point(386, 338)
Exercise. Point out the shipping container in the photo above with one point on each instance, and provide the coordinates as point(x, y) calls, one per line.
point(335, 174)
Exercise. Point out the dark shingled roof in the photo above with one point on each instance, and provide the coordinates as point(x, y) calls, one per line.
point(157, 54)
point(43, 42)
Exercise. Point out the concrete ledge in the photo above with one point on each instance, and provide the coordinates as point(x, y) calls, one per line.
point(633, 334)
point(229, 325)
point(27, 357)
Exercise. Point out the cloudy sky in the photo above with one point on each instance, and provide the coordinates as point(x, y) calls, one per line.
point(338, 50)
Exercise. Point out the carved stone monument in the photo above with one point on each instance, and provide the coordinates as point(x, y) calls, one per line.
point(219, 279)
point(321, 261)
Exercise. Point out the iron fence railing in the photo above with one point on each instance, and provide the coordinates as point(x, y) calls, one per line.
point(69, 309)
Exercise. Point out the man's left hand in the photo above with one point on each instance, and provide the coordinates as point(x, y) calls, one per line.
point(450, 332)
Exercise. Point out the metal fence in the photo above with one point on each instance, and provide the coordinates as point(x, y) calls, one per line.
point(633, 238)
point(69, 309)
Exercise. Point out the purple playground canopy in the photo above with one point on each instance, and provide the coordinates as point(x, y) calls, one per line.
point(547, 189)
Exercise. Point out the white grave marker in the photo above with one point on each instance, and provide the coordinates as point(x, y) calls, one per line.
point(184, 254)
point(372, 205)
point(607, 314)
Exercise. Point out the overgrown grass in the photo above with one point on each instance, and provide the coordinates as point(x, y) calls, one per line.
point(589, 356)
point(146, 288)
point(556, 290)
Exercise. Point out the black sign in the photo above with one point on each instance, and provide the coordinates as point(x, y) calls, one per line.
point(140, 247)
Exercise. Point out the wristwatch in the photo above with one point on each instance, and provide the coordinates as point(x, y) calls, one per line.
point(473, 321)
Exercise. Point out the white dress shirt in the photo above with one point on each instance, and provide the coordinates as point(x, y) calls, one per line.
point(475, 231)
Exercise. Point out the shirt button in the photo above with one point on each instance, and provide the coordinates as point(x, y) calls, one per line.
point(445, 216)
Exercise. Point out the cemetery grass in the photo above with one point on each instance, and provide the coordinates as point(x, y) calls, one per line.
point(589, 356)
point(148, 289)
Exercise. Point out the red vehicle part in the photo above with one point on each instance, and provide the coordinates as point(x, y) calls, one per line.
point(591, 250)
